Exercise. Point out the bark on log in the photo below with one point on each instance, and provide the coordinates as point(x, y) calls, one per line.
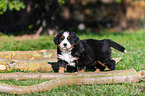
point(120, 76)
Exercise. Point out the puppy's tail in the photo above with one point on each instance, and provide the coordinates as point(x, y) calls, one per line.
point(116, 46)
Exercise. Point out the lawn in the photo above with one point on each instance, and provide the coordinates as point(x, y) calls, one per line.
point(134, 42)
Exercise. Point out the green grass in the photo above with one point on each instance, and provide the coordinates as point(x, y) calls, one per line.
point(133, 42)
point(8, 43)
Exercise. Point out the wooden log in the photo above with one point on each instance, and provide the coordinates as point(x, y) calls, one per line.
point(120, 76)
point(49, 76)
point(28, 55)
point(27, 65)
point(27, 60)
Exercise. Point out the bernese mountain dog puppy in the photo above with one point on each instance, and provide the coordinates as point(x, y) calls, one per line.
point(80, 55)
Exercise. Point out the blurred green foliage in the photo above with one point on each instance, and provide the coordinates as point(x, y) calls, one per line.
point(11, 5)
point(61, 1)
point(118, 1)
point(16, 4)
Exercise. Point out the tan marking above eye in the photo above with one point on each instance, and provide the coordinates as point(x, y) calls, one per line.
point(62, 37)
point(68, 38)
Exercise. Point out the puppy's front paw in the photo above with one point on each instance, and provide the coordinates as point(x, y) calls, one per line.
point(61, 69)
point(81, 69)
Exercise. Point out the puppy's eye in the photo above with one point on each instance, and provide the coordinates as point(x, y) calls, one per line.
point(62, 37)
point(68, 38)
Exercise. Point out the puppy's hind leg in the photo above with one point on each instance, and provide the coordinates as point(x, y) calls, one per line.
point(61, 69)
point(110, 64)
point(81, 68)
point(99, 66)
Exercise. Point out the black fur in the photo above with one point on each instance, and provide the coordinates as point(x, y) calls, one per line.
point(88, 51)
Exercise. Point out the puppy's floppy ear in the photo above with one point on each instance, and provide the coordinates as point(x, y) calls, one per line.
point(76, 38)
point(56, 40)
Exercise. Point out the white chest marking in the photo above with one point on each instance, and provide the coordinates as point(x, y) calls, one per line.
point(66, 56)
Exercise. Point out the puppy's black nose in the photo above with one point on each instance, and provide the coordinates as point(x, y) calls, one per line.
point(65, 44)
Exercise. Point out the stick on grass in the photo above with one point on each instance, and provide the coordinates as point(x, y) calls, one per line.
point(68, 79)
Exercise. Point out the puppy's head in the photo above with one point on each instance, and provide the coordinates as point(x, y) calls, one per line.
point(66, 40)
